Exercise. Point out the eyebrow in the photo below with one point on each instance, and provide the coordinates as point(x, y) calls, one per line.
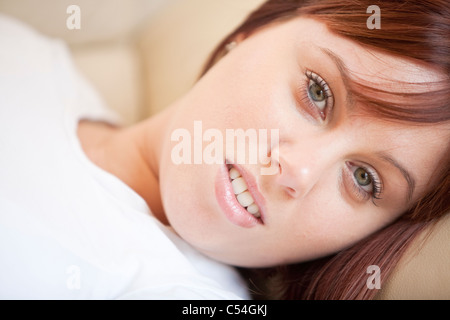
point(408, 177)
point(343, 70)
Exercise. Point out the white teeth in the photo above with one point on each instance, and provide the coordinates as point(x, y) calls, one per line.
point(254, 210)
point(239, 185)
point(234, 173)
point(243, 196)
point(245, 199)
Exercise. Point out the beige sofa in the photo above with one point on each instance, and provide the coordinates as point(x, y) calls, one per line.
point(130, 51)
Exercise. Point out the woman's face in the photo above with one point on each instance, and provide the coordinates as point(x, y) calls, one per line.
point(338, 175)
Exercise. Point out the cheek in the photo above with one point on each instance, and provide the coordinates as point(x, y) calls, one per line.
point(190, 203)
point(180, 190)
point(324, 226)
point(248, 81)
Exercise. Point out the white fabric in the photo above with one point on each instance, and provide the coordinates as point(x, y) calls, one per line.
point(68, 229)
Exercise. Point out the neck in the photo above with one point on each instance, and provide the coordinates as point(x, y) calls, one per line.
point(131, 153)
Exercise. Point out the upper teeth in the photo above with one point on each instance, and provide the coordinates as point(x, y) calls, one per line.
point(243, 196)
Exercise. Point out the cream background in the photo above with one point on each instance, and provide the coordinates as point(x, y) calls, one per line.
point(141, 55)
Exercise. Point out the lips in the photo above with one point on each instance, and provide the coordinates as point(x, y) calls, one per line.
point(238, 196)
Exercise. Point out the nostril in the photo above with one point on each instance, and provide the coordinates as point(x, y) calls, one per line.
point(291, 192)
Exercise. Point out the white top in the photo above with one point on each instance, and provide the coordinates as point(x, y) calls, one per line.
point(68, 229)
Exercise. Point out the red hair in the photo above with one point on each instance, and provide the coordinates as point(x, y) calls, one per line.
point(417, 30)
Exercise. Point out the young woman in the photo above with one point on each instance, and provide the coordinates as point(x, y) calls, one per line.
point(414, 31)
point(363, 144)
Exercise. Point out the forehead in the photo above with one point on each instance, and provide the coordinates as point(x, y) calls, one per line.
point(367, 63)
point(310, 38)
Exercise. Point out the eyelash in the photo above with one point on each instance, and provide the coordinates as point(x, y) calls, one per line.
point(311, 76)
point(376, 192)
point(322, 114)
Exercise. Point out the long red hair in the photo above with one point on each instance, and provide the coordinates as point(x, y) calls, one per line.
point(418, 30)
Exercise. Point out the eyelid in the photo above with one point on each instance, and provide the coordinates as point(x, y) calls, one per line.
point(356, 190)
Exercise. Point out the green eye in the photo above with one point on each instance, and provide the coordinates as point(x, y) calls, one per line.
point(316, 92)
point(319, 94)
point(366, 180)
point(362, 177)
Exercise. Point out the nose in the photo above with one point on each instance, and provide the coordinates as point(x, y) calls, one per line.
point(301, 167)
